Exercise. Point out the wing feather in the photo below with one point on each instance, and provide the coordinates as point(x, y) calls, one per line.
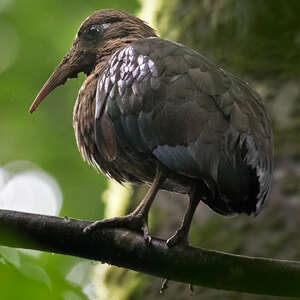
point(166, 101)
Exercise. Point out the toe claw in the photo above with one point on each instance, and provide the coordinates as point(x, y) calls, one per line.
point(90, 227)
point(131, 222)
point(164, 286)
point(148, 240)
point(147, 236)
point(170, 242)
point(86, 229)
point(179, 238)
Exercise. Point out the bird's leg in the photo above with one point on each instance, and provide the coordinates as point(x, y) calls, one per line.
point(138, 219)
point(181, 235)
point(142, 211)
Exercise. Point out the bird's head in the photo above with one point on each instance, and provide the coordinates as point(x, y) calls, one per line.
point(101, 34)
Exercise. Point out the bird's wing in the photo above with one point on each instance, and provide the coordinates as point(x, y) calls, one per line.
point(166, 100)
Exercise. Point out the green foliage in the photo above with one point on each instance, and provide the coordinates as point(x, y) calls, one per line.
point(34, 36)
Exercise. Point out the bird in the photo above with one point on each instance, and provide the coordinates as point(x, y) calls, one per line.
point(156, 112)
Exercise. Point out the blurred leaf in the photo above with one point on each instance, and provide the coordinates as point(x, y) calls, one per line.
point(35, 272)
point(11, 255)
point(79, 273)
point(70, 295)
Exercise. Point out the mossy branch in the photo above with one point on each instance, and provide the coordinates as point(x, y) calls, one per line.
point(127, 249)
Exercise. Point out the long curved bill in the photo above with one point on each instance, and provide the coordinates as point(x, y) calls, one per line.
point(69, 67)
point(58, 77)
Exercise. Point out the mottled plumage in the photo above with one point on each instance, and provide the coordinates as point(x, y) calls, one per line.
point(149, 103)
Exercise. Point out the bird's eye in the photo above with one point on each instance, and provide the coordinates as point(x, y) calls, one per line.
point(94, 31)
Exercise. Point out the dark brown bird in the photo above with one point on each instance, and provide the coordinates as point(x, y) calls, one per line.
point(156, 112)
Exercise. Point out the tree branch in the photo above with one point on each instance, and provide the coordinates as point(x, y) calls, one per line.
point(127, 249)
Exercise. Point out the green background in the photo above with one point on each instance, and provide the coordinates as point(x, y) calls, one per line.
point(34, 36)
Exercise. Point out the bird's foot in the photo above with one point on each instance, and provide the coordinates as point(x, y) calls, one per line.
point(134, 222)
point(164, 286)
point(179, 238)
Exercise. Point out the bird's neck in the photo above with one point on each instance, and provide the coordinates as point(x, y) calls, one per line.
point(108, 49)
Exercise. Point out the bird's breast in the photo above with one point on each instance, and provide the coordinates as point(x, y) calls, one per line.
point(100, 142)
point(83, 119)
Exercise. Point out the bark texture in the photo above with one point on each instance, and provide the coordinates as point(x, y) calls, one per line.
point(127, 249)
